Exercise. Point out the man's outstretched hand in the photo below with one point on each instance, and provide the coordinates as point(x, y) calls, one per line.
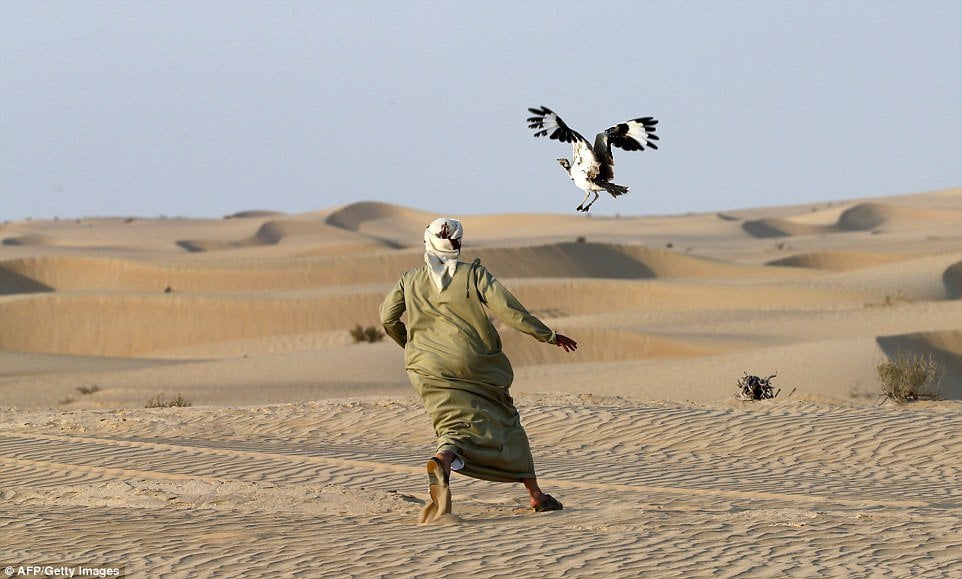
point(565, 343)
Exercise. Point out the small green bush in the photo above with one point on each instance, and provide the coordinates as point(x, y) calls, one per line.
point(160, 401)
point(369, 334)
point(910, 377)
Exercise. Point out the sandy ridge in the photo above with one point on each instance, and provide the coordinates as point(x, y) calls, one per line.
point(219, 482)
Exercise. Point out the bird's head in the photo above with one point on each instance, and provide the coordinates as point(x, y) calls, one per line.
point(565, 163)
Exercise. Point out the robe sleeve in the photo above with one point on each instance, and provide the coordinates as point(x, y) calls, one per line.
point(391, 309)
point(508, 309)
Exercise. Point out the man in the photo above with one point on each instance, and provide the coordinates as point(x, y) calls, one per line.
point(453, 358)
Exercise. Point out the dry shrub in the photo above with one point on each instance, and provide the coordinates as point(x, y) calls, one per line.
point(910, 377)
point(160, 401)
point(757, 388)
point(369, 334)
point(890, 300)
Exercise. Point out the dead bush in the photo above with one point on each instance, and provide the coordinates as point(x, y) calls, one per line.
point(909, 377)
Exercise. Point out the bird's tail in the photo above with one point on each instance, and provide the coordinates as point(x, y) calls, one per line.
point(615, 190)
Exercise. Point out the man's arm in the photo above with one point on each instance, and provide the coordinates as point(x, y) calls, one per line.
point(510, 311)
point(391, 309)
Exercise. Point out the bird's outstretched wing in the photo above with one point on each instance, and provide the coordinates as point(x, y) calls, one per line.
point(549, 124)
point(633, 135)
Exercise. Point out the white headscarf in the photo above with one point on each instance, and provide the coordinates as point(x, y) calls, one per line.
point(442, 246)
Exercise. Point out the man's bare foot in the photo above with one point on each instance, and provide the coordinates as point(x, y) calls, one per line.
point(536, 497)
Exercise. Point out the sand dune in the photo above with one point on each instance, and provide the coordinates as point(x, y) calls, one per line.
point(302, 452)
point(608, 346)
point(776, 227)
point(837, 260)
point(607, 261)
point(37, 239)
point(953, 280)
point(868, 216)
point(255, 214)
point(860, 217)
point(921, 278)
point(391, 224)
point(67, 274)
point(276, 232)
point(354, 216)
point(133, 324)
point(128, 322)
point(13, 281)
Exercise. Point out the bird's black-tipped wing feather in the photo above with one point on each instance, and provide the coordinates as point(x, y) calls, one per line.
point(548, 124)
point(633, 135)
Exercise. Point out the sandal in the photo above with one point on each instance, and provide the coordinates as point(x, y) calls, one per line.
point(440, 491)
point(549, 503)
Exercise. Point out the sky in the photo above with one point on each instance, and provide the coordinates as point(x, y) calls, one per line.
point(206, 109)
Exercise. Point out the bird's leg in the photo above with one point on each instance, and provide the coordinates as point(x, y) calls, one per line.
point(582, 206)
point(588, 206)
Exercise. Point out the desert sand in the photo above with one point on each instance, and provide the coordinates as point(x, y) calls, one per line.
point(302, 453)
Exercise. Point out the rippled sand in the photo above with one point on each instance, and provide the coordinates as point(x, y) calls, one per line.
point(303, 452)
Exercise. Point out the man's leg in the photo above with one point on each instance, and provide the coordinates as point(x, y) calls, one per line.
point(439, 504)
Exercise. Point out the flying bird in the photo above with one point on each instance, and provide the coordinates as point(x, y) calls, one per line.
point(592, 167)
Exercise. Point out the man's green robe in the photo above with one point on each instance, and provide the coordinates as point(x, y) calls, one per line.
point(453, 358)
